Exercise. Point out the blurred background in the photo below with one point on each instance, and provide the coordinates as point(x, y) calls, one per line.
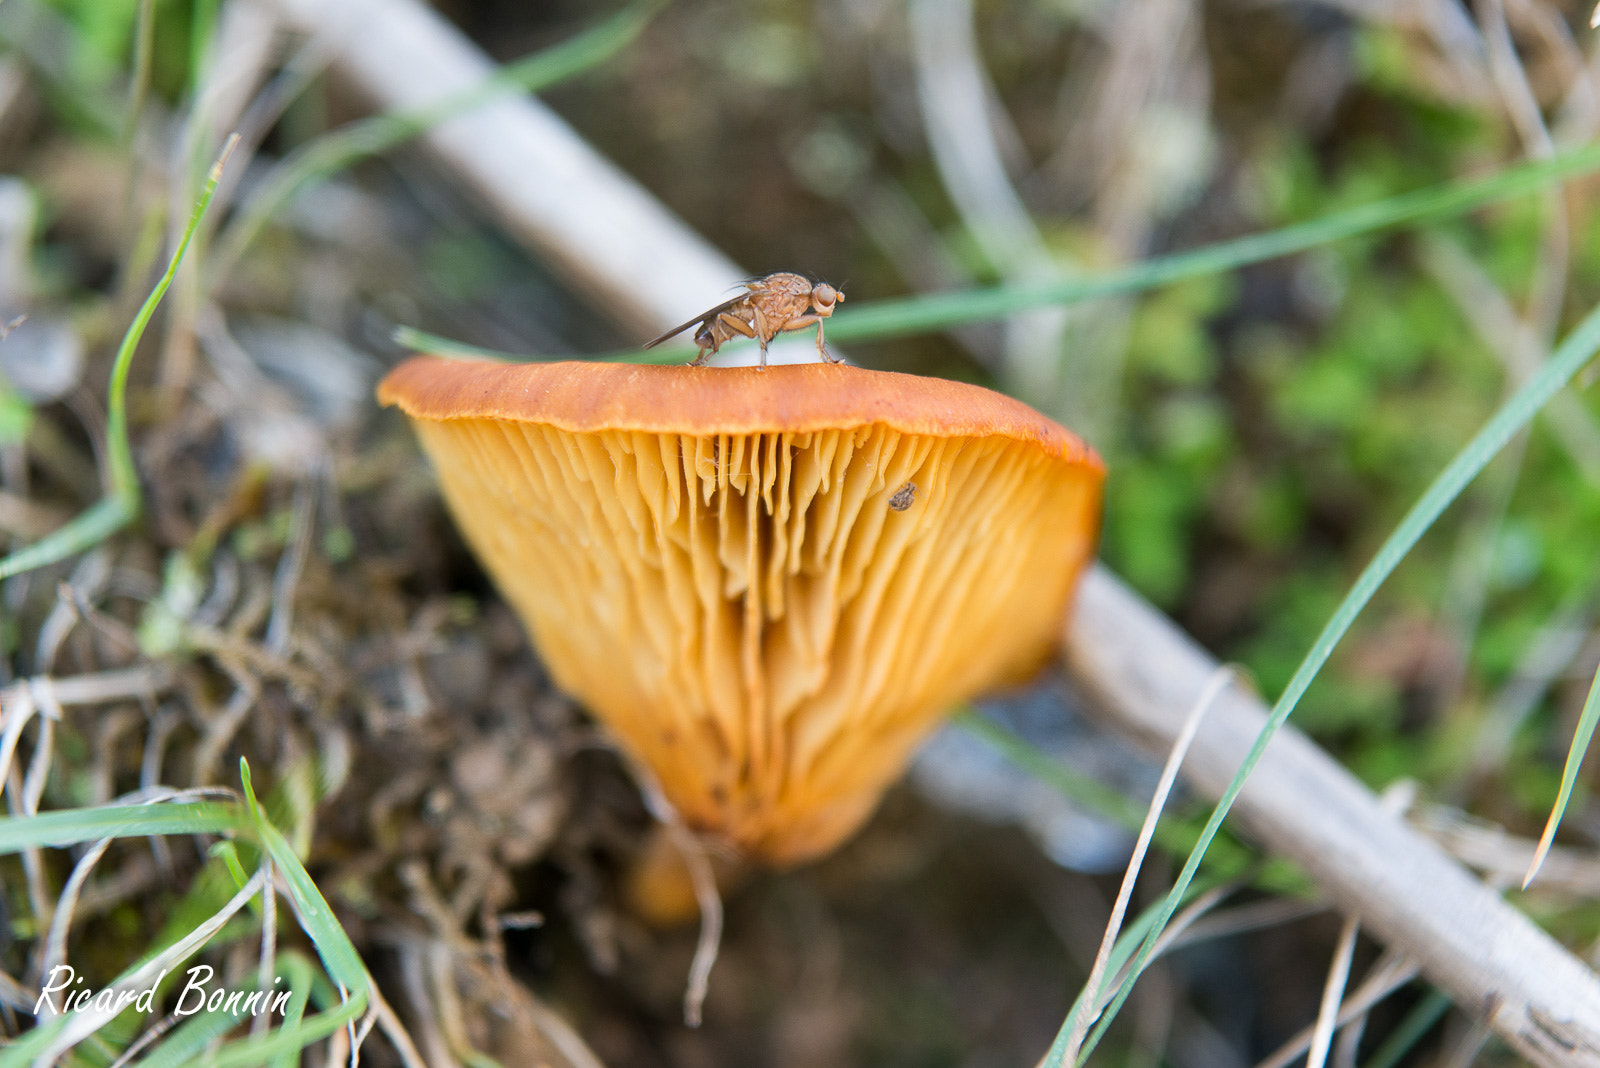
point(301, 594)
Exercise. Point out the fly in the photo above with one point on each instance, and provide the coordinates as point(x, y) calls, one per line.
point(769, 306)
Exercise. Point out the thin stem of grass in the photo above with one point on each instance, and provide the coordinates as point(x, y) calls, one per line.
point(55, 943)
point(422, 341)
point(143, 49)
point(120, 506)
point(1082, 1017)
point(69, 826)
point(710, 902)
point(1175, 835)
point(338, 954)
point(1518, 410)
point(245, 821)
point(437, 345)
point(1389, 974)
point(932, 312)
point(1079, 789)
point(339, 149)
point(1569, 777)
point(936, 311)
point(1333, 994)
point(1417, 1023)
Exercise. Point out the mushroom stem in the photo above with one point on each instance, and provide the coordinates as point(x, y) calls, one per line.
point(660, 889)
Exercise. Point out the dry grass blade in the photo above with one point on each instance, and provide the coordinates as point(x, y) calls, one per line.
point(55, 943)
point(1332, 994)
point(710, 902)
point(1084, 1017)
point(1569, 777)
point(394, 1029)
point(1255, 916)
point(1388, 975)
point(704, 881)
point(17, 707)
point(269, 947)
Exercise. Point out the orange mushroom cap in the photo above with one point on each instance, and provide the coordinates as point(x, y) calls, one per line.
point(770, 585)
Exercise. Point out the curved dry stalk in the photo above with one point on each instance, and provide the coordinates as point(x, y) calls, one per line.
point(1084, 1016)
point(387, 1020)
point(55, 944)
point(151, 1034)
point(704, 881)
point(1333, 994)
point(1256, 916)
point(710, 902)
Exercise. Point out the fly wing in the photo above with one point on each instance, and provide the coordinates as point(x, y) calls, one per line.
point(696, 321)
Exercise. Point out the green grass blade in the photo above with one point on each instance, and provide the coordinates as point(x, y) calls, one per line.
point(435, 345)
point(84, 531)
point(1131, 937)
point(191, 1040)
point(1569, 776)
point(46, 1041)
point(202, 33)
point(1175, 834)
point(71, 826)
point(206, 817)
point(300, 975)
point(937, 311)
point(1418, 1021)
point(930, 312)
point(338, 954)
point(339, 149)
point(1515, 414)
point(1079, 789)
point(120, 506)
point(422, 341)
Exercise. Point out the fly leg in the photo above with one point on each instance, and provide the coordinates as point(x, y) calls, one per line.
point(800, 322)
point(822, 349)
point(714, 332)
point(763, 332)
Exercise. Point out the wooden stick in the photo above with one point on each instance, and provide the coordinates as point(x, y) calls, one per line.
point(598, 228)
point(1143, 673)
point(610, 238)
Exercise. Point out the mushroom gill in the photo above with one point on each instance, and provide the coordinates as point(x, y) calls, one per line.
point(768, 585)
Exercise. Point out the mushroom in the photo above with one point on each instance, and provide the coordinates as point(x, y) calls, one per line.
point(769, 586)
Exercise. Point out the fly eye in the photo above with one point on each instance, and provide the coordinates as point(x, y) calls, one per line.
point(824, 295)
